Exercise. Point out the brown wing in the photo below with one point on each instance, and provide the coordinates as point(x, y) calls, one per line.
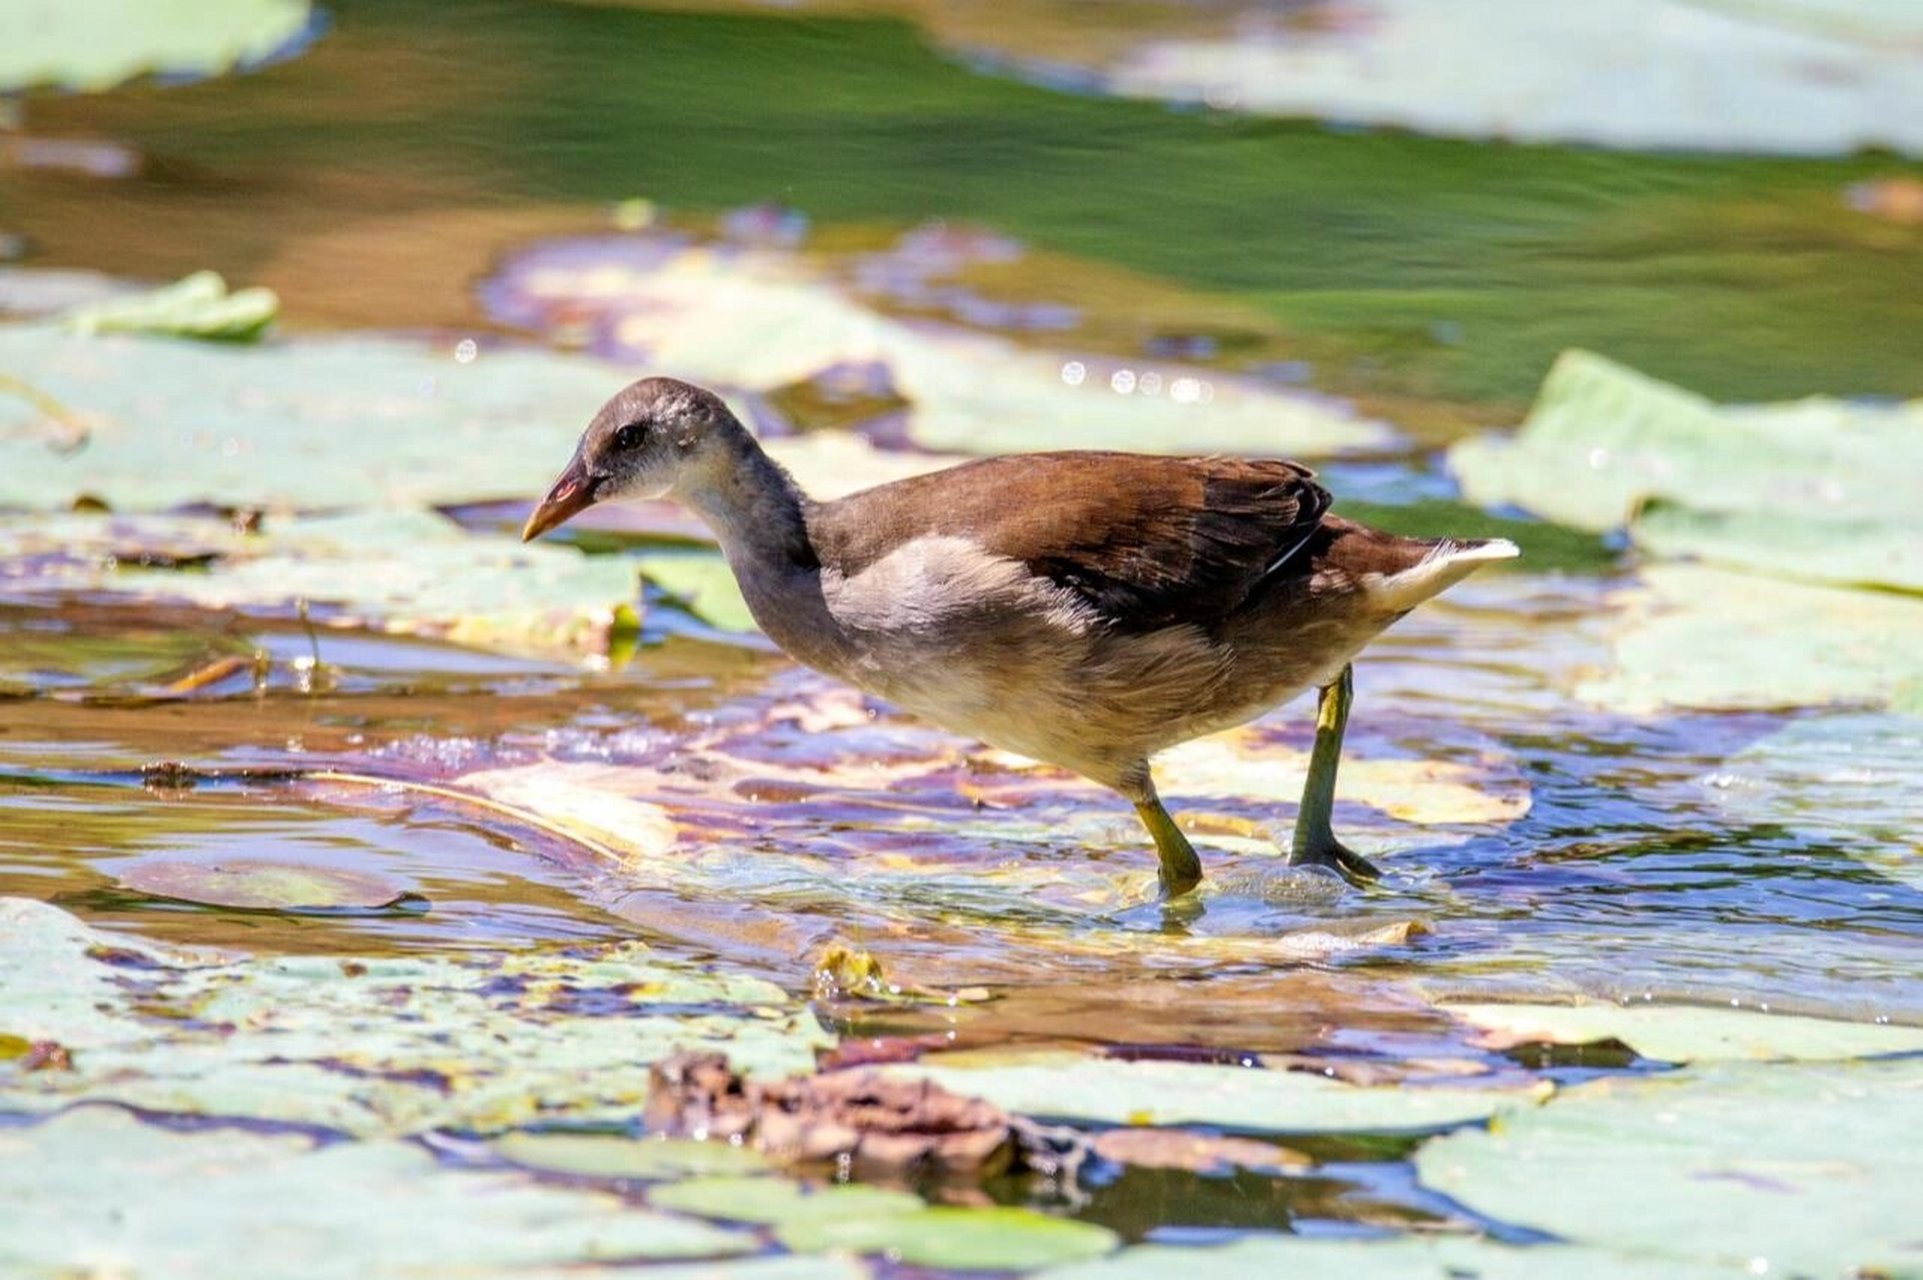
point(1148, 541)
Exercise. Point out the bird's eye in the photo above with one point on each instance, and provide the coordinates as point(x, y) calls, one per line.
point(630, 436)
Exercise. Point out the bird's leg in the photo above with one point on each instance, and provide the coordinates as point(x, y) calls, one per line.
point(1315, 844)
point(1181, 869)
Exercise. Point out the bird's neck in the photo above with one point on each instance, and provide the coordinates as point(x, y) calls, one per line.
point(760, 516)
point(756, 510)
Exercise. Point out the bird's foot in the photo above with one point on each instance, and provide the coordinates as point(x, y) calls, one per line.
point(1332, 853)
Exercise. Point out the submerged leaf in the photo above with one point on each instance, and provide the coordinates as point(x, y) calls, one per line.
point(257, 885)
point(773, 1201)
point(598, 1155)
point(1784, 1169)
point(1076, 1087)
point(997, 1239)
point(1672, 1033)
point(1399, 1259)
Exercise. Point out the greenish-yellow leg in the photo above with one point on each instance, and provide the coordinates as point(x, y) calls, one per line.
point(1181, 869)
point(1315, 844)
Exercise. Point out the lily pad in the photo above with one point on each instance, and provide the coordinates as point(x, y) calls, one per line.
point(594, 1155)
point(1640, 74)
point(1605, 447)
point(256, 885)
point(1075, 1087)
point(198, 306)
point(763, 320)
point(1683, 1034)
point(374, 1045)
point(96, 44)
point(1849, 552)
point(402, 571)
point(1783, 1169)
point(704, 585)
point(1402, 1259)
point(286, 426)
point(776, 1201)
point(1695, 637)
point(95, 1188)
point(997, 1239)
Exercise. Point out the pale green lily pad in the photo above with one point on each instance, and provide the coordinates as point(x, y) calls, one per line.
point(95, 1191)
point(1694, 637)
point(293, 425)
point(702, 584)
point(762, 319)
point(96, 44)
point(765, 1267)
point(1401, 1259)
point(997, 1239)
point(404, 571)
point(255, 885)
point(382, 1045)
point(1817, 489)
point(594, 1155)
point(775, 1201)
point(1867, 553)
point(1073, 1087)
point(1727, 75)
point(198, 306)
point(1784, 1169)
point(1671, 1033)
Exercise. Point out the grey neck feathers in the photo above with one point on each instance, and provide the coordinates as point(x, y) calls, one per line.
point(755, 509)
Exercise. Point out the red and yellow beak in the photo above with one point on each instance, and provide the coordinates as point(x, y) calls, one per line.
point(572, 494)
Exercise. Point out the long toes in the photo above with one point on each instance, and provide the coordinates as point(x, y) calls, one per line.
point(1339, 858)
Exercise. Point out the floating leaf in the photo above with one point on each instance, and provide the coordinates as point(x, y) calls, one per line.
point(766, 320)
point(1848, 552)
point(376, 1045)
point(412, 572)
point(96, 44)
point(1606, 447)
point(1607, 75)
point(1075, 1087)
point(95, 1184)
point(1690, 636)
point(593, 1155)
point(1685, 1034)
point(1401, 1259)
point(198, 306)
point(704, 585)
point(998, 1239)
point(774, 1201)
point(1784, 1169)
point(256, 885)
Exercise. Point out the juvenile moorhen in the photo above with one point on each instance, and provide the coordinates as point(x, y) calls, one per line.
point(1087, 609)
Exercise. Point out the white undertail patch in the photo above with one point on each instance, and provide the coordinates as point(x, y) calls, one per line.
point(1446, 565)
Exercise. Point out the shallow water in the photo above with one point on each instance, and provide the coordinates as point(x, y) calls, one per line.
point(700, 793)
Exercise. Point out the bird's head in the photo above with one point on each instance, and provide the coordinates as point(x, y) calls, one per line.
point(644, 443)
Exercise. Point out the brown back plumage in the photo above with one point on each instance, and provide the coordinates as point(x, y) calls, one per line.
point(1147, 541)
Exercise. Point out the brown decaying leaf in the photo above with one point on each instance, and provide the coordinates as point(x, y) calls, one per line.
point(875, 1128)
